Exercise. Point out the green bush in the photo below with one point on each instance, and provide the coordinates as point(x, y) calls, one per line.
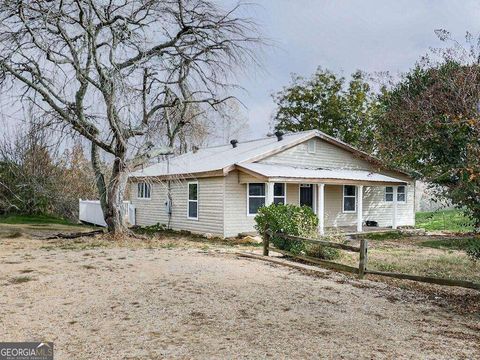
point(473, 250)
point(150, 229)
point(288, 219)
point(322, 252)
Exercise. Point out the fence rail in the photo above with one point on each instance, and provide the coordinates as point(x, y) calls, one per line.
point(362, 269)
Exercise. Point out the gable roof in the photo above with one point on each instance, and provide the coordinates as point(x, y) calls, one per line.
point(219, 160)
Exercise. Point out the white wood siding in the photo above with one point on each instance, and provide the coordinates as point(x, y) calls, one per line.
point(236, 219)
point(293, 195)
point(210, 206)
point(326, 156)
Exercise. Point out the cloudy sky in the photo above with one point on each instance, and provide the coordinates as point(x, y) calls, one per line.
point(341, 35)
point(344, 36)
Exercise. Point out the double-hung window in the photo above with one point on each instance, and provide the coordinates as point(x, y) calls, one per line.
point(389, 194)
point(401, 193)
point(255, 197)
point(144, 190)
point(192, 206)
point(349, 198)
point(279, 193)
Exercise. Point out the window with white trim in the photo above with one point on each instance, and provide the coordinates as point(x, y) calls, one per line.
point(401, 193)
point(389, 194)
point(255, 197)
point(311, 146)
point(144, 190)
point(279, 193)
point(192, 210)
point(349, 198)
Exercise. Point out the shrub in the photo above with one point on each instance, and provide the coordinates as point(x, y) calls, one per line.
point(473, 250)
point(322, 252)
point(150, 229)
point(288, 219)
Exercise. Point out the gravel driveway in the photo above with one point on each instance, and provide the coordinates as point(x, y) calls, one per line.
point(121, 303)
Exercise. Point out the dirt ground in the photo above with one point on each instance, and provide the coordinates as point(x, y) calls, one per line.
point(169, 300)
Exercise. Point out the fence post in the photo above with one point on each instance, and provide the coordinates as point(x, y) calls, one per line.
point(266, 242)
point(362, 266)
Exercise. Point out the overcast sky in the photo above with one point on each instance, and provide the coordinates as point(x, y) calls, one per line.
point(341, 35)
point(344, 36)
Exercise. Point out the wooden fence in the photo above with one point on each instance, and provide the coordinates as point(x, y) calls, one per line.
point(362, 269)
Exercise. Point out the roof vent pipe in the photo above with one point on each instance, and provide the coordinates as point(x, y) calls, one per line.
point(234, 143)
point(279, 135)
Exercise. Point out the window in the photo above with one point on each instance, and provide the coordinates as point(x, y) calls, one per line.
point(143, 190)
point(389, 194)
point(279, 193)
point(311, 146)
point(401, 193)
point(256, 197)
point(192, 201)
point(349, 198)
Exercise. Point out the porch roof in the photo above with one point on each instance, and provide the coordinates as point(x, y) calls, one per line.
point(284, 173)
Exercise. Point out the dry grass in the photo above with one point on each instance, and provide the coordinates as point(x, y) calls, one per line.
point(185, 297)
point(407, 255)
point(13, 235)
point(208, 303)
point(20, 279)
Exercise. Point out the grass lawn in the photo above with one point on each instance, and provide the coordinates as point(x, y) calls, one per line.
point(450, 244)
point(421, 255)
point(35, 219)
point(14, 226)
point(452, 220)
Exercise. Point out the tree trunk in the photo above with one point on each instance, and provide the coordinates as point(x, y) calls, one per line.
point(111, 195)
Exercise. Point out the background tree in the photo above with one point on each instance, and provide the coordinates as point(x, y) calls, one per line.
point(430, 123)
point(37, 179)
point(232, 124)
point(328, 103)
point(100, 69)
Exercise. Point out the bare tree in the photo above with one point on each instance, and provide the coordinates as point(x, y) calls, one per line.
point(104, 69)
point(233, 124)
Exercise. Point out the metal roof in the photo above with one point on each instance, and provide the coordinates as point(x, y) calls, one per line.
point(225, 157)
point(220, 157)
point(289, 172)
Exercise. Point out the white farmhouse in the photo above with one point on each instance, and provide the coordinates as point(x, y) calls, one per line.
point(219, 189)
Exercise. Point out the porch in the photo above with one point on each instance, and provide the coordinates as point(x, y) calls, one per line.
point(344, 200)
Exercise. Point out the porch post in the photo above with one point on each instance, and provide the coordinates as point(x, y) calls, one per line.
point(269, 198)
point(394, 208)
point(321, 208)
point(359, 208)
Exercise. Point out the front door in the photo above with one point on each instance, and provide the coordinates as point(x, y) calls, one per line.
point(306, 195)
